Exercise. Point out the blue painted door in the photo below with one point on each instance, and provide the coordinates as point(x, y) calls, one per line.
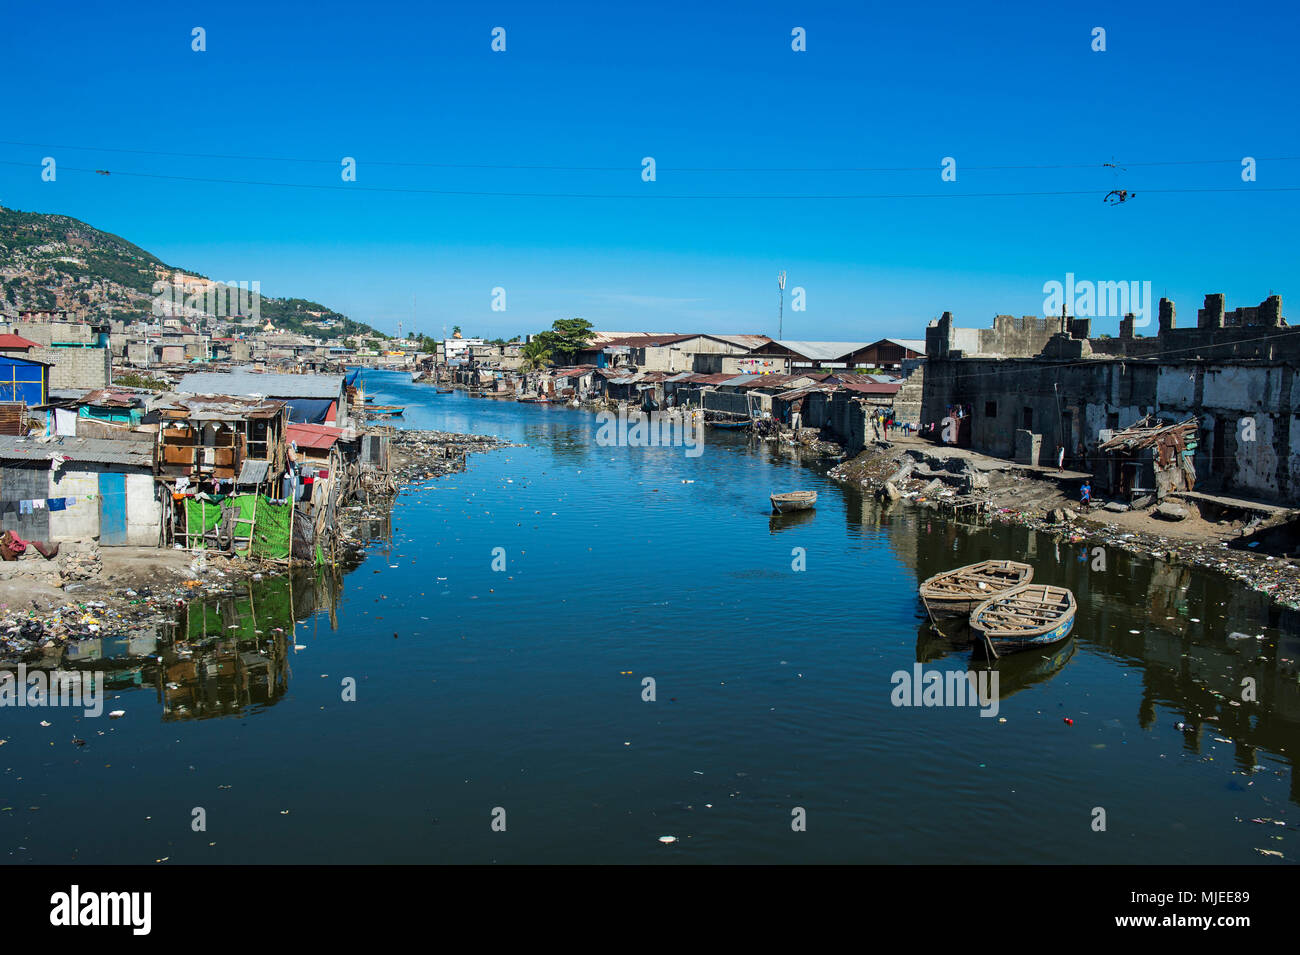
point(112, 509)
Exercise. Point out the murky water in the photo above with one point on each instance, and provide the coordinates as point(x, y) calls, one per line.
point(522, 689)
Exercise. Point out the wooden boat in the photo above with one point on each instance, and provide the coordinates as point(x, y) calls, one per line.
point(958, 592)
point(384, 411)
point(1033, 615)
point(737, 425)
point(535, 400)
point(794, 501)
point(443, 391)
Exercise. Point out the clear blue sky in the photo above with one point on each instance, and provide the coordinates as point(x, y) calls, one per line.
point(694, 85)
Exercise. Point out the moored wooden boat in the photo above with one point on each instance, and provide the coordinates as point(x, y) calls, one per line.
point(1032, 615)
point(794, 501)
point(736, 425)
point(959, 591)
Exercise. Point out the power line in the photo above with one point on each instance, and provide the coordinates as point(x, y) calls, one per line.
point(636, 166)
point(650, 193)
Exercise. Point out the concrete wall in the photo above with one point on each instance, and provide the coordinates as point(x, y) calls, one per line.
point(907, 403)
point(143, 510)
point(1248, 440)
point(1010, 337)
point(76, 367)
point(81, 520)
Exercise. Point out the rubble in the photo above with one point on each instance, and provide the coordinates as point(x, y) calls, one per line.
point(1170, 512)
point(1017, 497)
point(420, 455)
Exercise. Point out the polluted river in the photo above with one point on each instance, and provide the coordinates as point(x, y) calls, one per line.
point(581, 653)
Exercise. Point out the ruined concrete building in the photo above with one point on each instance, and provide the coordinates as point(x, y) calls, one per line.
point(1028, 386)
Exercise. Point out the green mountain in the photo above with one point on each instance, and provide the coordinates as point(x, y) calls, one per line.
point(57, 262)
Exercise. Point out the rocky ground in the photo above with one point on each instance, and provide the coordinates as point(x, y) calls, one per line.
point(85, 591)
point(953, 479)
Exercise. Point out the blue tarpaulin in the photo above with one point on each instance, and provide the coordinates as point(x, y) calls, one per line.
point(309, 410)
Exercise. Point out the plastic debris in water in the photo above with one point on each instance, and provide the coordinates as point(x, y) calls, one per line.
point(669, 840)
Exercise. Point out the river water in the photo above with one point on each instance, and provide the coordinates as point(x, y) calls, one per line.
point(517, 694)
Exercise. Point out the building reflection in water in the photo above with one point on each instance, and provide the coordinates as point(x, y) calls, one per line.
point(233, 653)
point(1169, 622)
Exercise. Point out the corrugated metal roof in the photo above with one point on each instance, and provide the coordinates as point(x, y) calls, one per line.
point(215, 407)
point(253, 472)
point(823, 351)
point(316, 436)
point(778, 381)
point(800, 392)
point(872, 388)
point(746, 342)
point(911, 344)
point(270, 385)
point(96, 450)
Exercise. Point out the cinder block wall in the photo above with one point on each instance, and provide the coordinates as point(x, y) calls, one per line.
point(76, 367)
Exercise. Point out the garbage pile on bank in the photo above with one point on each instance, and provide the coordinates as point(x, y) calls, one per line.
point(894, 474)
point(421, 455)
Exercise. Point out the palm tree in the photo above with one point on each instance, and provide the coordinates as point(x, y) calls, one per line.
point(536, 356)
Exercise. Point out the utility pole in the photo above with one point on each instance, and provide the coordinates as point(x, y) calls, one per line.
point(780, 313)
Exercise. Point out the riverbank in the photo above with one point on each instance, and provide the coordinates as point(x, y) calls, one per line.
point(86, 591)
point(910, 470)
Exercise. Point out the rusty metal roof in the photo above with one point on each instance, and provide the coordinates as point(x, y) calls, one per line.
point(95, 450)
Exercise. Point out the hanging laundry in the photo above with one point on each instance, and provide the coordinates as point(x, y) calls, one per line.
point(39, 503)
point(58, 503)
point(24, 507)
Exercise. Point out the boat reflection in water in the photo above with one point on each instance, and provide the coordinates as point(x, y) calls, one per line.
point(789, 519)
point(1021, 670)
point(1015, 671)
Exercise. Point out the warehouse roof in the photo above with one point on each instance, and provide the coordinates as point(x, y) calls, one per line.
point(270, 385)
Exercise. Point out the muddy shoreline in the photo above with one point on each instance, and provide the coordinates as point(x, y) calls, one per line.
point(88, 592)
point(920, 474)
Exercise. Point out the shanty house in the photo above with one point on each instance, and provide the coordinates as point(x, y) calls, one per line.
point(235, 442)
point(77, 488)
point(312, 399)
point(1151, 456)
point(24, 379)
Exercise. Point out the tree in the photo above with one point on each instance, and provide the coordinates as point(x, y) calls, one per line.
point(455, 330)
point(536, 355)
point(567, 336)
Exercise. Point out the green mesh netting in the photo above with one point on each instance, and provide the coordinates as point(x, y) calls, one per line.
point(271, 523)
point(200, 517)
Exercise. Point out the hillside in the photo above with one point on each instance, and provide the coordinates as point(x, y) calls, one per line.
point(57, 262)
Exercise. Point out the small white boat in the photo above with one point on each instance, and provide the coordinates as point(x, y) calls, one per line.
point(794, 501)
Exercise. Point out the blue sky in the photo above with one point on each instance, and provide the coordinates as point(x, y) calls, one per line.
point(698, 87)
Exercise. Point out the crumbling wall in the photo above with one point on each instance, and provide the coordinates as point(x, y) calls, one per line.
point(1261, 458)
point(908, 400)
